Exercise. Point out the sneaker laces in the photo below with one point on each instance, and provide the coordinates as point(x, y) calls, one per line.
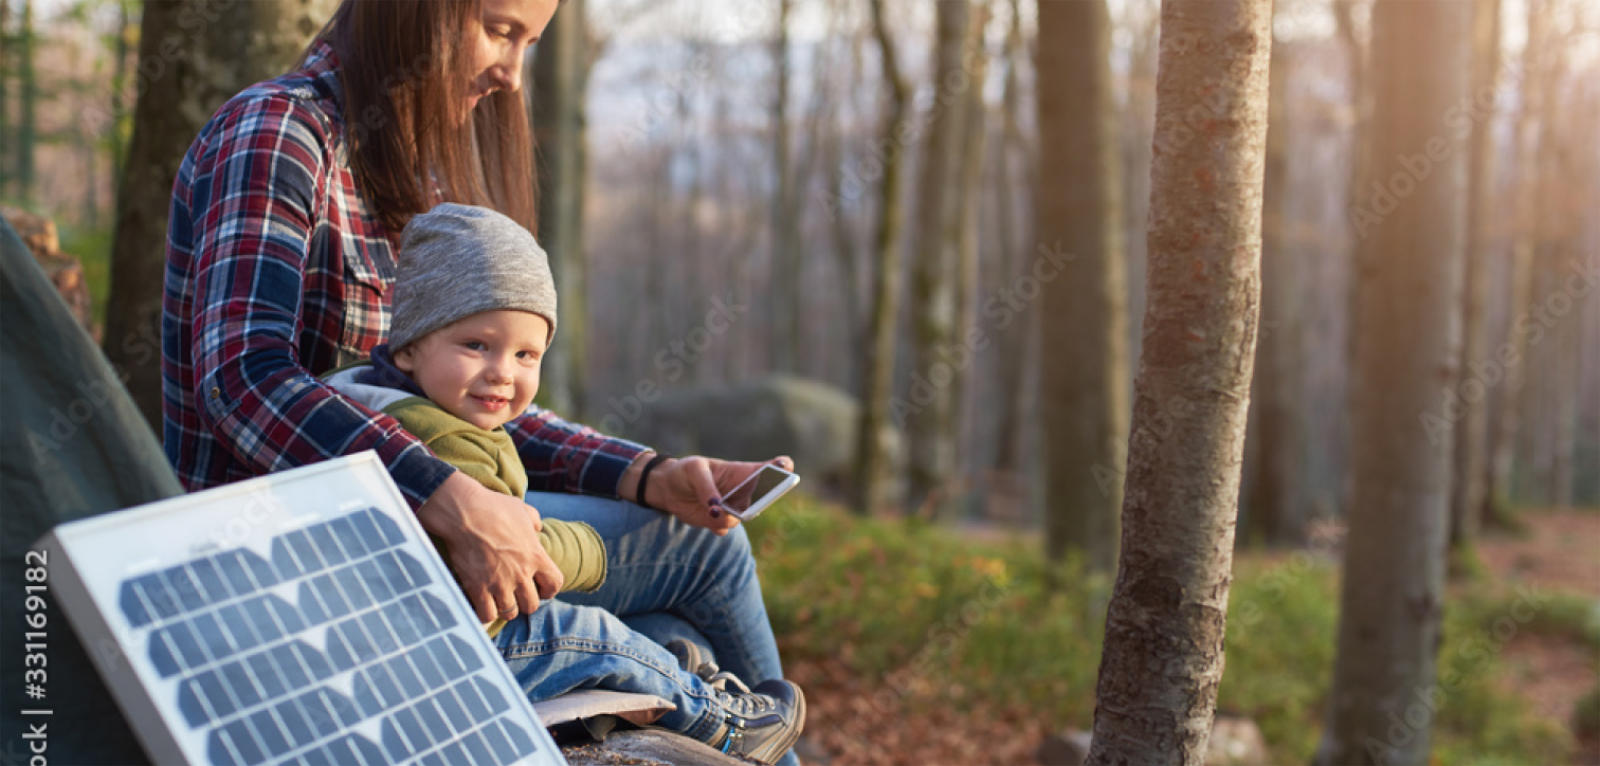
point(745, 705)
point(721, 679)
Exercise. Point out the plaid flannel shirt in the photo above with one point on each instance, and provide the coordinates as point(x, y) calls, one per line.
point(278, 272)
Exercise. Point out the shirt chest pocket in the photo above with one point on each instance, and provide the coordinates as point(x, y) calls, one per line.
point(368, 282)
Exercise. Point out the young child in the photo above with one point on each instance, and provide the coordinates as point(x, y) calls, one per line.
point(474, 310)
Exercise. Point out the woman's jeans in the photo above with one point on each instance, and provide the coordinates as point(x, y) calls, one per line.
point(664, 580)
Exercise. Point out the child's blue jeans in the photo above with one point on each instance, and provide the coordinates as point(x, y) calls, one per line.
point(664, 580)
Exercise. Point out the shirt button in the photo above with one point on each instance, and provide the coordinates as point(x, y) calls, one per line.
point(216, 393)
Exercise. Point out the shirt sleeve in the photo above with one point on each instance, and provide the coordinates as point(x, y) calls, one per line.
point(561, 456)
point(254, 205)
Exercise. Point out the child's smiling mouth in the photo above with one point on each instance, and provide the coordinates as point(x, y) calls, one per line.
point(491, 402)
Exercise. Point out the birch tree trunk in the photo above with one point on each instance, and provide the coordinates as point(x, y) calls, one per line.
point(1083, 399)
point(560, 74)
point(929, 408)
point(1407, 347)
point(874, 432)
point(1472, 433)
point(193, 56)
point(1162, 660)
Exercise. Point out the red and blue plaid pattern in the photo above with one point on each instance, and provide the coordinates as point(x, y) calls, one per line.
point(276, 273)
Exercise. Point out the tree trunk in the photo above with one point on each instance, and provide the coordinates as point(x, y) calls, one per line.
point(844, 236)
point(929, 408)
point(1275, 443)
point(5, 95)
point(786, 343)
point(1407, 348)
point(1467, 488)
point(186, 70)
point(1162, 660)
point(1015, 329)
point(962, 228)
point(874, 433)
point(119, 90)
point(28, 98)
point(1525, 151)
point(1083, 396)
point(1553, 261)
point(560, 78)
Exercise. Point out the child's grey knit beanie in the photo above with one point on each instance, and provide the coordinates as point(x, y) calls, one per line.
point(458, 260)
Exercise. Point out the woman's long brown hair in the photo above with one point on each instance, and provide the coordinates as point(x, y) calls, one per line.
point(404, 70)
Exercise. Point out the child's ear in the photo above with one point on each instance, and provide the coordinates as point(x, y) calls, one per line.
point(405, 360)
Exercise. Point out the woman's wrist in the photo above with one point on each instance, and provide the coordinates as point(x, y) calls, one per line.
point(628, 487)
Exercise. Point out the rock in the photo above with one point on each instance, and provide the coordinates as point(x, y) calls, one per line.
point(1065, 748)
point(1234, 742)
point(647, 747)
point(64, 271)
point(812, 422)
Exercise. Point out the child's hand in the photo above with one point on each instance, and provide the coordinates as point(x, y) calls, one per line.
point(690, 488)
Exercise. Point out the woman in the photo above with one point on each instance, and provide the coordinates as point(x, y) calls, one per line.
point(285, 217)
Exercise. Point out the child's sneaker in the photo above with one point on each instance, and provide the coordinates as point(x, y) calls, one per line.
point(761, 724)
point(695, 659)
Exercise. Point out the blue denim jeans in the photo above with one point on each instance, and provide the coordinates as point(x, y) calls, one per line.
point(664, 580)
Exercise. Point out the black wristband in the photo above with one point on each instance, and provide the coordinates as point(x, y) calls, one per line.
point(644, 476)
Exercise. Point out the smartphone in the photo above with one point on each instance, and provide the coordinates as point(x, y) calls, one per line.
point(759, 490)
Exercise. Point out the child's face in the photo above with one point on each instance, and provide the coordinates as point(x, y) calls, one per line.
point(483, 369)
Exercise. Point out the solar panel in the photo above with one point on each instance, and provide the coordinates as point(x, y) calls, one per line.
point(300, 618)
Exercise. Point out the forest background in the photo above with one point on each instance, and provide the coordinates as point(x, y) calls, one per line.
point(770, 238)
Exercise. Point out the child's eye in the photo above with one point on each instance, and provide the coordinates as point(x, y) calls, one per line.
point(528, 356)
point(475, 345)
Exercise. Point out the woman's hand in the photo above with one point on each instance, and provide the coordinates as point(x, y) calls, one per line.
point(492, 541)
point(691, 488)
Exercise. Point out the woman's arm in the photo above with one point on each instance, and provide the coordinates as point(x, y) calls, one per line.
point(253, 206)
point(561, 456)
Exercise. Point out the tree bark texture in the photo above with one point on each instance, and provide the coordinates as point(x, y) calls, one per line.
point(1275, 444)
point(1083, 388)
point(559, 82)
point(930, 409)
point(193, 56)
point(1472, 431)
point(874, 431)
point(1407, 349)
point(1162, 660)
